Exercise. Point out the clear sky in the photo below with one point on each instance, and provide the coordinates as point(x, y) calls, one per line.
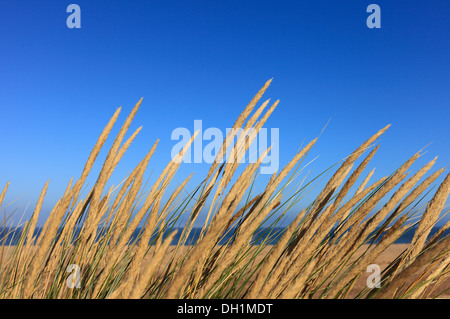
point(205, 60)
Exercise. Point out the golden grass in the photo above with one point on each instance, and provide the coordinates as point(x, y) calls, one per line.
point(322, 253)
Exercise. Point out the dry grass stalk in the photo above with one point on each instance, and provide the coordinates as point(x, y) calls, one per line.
point(298, 283)
point(34, 218)
point(331, 184)
point(230, 137)
point(430, 217)
point(242, 239)
point(141, 285)
point(116, 254)
point(2, 195)
point(364, 183)
point(310, 259)
point(394, 286)
point(434, 274)
point(362, 263)
point(272, 257)
point(373, 222)
point(285, 261)
point(203, 247)
point(245, 139)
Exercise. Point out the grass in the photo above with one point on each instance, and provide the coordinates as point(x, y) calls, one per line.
point(318, 255)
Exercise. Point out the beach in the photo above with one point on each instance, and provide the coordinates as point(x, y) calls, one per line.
point(383, 260)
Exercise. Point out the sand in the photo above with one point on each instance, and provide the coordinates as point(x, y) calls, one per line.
point(383, 260)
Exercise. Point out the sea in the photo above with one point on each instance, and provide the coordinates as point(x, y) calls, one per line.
point(11, 236)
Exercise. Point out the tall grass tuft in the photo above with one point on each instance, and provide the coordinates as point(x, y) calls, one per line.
point(322, 253)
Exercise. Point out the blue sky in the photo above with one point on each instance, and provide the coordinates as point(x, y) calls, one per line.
point(205, 60)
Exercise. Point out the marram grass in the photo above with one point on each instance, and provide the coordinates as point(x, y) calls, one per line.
point(321, 254)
